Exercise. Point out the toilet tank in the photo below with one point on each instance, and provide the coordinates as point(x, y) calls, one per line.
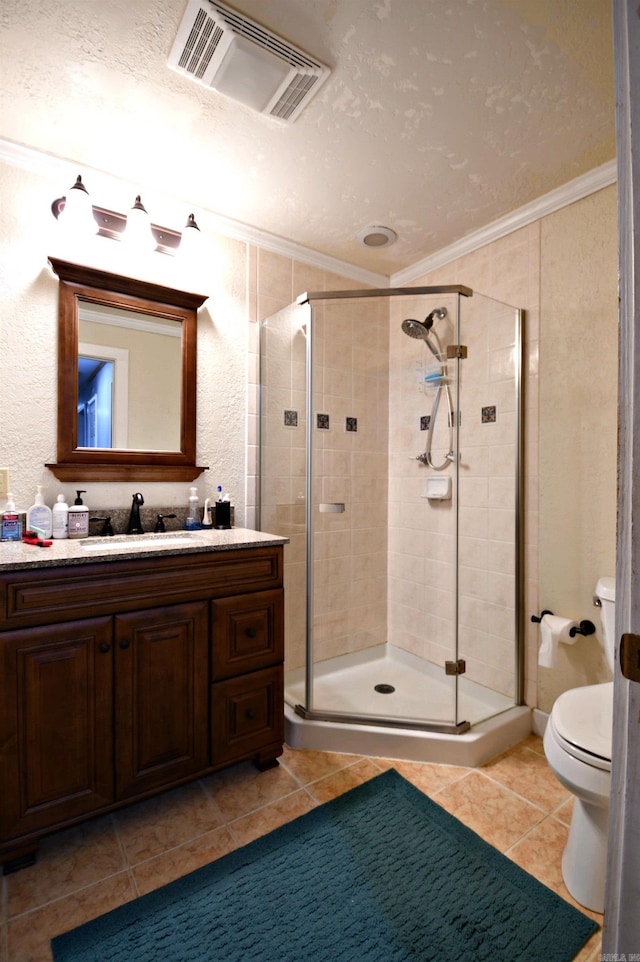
point(605, 598)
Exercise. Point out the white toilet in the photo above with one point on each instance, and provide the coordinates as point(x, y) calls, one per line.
point(577, 743)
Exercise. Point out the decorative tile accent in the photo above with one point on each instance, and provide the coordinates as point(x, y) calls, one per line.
point(424, 422)
point(489, 414)
point(351, 424)
point(322, 421)
point(291, 419)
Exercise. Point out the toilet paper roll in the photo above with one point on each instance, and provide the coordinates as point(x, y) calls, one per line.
point(553, 630)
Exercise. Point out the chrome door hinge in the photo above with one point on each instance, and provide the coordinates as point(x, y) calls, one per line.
point(455, 667)
point(458, 351)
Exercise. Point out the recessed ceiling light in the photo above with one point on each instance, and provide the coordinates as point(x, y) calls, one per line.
point(376, 236)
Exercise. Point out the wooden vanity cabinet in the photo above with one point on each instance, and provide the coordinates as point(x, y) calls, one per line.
point(99, 711)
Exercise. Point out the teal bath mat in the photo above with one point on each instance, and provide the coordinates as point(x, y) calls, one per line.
point(380, 874)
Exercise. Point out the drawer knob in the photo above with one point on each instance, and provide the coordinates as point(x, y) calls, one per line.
point(251, 632)
point(104, 647)
point(251, 714)
point(124, 643)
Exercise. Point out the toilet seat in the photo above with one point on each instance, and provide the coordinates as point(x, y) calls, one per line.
point(583, 723)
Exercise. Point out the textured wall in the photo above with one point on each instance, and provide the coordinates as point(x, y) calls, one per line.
point(28, 348)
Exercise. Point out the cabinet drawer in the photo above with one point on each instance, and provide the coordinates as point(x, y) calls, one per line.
point(247, 634)
point(53, 594)
point(247, 714)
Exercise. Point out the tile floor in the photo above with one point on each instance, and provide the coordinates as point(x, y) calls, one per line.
point(514, 802)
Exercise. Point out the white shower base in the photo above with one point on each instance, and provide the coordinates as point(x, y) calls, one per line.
point(422, 693)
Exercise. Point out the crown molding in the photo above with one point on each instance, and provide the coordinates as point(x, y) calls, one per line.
point(28, 158)
point(38, 162)
point(569, 193)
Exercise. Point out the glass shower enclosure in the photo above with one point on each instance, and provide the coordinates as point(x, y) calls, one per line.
point(390, 456)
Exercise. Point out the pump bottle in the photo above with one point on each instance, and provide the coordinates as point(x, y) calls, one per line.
point(192, 522)
point(79, 518)
point(60, 518)
point(39, 516)
point(11, 529)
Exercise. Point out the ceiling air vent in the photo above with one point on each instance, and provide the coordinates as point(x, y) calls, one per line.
point(222, 48)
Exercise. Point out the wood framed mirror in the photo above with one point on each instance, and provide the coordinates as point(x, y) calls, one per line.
point(127, 352)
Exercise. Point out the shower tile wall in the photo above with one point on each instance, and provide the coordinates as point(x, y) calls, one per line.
point(422, 548)
point(351, 387)
point(509, 270)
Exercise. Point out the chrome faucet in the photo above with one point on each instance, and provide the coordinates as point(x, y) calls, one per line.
point(135, 524)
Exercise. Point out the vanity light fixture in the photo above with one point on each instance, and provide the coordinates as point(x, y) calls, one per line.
point(111, 224)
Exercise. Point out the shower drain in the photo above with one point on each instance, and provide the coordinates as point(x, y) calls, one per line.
point(384, 689)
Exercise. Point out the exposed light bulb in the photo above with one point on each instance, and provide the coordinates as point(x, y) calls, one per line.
point(191, 239)
point(138, 233)
point(75, 212)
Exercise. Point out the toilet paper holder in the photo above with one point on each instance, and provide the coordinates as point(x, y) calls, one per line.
point(538, 618)
point(584, 628)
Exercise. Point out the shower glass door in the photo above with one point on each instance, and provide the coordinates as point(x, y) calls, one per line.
point(489, 508)
point(390, 459)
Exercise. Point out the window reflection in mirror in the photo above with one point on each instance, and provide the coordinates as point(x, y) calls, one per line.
point(145, 335)
point(129, 379)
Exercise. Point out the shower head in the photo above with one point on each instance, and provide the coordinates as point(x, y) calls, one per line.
point(415, 328)
point(420, 329)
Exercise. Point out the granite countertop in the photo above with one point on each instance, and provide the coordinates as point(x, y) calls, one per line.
point(15, 554)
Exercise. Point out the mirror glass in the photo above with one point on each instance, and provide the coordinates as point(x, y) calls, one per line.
point(129, 379)
point(126, 378)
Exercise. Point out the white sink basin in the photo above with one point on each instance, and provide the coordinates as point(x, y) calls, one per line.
point(129, 542)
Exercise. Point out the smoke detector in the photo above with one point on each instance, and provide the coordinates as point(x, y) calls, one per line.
point(221, 48)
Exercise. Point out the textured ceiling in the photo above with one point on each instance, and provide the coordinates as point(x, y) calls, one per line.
point(439, 117)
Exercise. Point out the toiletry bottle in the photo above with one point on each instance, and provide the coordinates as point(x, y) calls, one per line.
point(39, 517)
point(193, 515)
point(78, 519)
point(60, 515)
point(223, 512)
point(207, 517)
point(11, 529)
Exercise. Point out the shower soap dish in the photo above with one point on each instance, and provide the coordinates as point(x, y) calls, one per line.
point(437, 489)
point(434, 376)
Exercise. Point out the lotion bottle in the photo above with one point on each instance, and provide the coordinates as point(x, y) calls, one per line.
point(39, 516)
point(78, 519)
point(60, 518)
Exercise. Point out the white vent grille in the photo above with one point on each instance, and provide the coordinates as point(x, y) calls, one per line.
point(222, 48)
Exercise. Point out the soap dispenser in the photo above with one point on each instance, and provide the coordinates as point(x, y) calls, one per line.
point(79, 518)
point(39, 517)
point(192, 522)
point(11, 529)
point(60, 518)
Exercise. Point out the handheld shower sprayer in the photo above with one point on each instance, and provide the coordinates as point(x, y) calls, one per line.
point(422, 330)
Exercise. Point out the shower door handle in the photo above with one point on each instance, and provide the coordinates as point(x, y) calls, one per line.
point(332, 507)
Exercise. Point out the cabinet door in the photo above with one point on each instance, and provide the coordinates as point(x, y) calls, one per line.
point(247, 633)
point(56, 724)
point(161, 665)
